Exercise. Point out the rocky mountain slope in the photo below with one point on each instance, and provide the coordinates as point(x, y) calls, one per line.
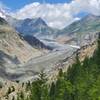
point(36, 43)
point(88, 24)
point(12, 45)
point(82, 31)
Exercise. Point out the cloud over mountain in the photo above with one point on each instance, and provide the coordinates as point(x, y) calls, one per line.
point(58, 15)
point(90, 6)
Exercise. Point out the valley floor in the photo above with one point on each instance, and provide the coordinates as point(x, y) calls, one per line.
point(45, 62)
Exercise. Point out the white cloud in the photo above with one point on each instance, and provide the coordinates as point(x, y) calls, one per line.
point(90, 6)
point(58, 15)
point(2, 11)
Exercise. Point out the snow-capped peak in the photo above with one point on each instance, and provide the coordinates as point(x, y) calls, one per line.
point(2, 14)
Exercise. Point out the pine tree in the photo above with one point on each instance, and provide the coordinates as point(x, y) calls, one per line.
point(52, 91)
point(60, 73)
point(22, 95)
point(39, 90)
point(97, 52)
point(60, 86)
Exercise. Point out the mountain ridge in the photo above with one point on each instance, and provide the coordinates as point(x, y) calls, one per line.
point(89, 23)
point(35, 27)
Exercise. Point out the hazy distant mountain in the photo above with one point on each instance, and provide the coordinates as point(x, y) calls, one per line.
point(25, 27)
point(82, 31)
point(79, 30)
point(88, 24)
point(34, 27)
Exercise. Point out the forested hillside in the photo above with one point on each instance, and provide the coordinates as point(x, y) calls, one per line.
point(80, 82)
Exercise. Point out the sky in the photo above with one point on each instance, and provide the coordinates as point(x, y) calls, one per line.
point(16, 4)
point(56, 13)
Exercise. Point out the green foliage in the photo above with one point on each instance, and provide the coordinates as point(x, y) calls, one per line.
point(52, 91)
point(97, 54)
point(60, 73)
point(20, 96)
point(39, 90)
point(28, 85)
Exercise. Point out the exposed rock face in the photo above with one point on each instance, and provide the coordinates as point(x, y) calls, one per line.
point(34, 42)
point(2, 21)
point(14, 46)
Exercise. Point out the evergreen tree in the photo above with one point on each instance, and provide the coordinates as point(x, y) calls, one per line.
point(39, 90)
point(52, 91)
point(97, 53)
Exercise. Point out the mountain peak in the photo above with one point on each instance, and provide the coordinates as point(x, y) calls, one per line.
point(91, 17)
point(40, 21)
point(2, 21)
point(34, 22)
point(2, 14)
